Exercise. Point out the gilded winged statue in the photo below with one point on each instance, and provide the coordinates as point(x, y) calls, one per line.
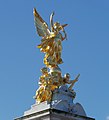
point(51, 43)
point(51, 46)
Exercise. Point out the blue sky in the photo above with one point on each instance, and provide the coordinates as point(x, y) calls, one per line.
point(86, 52)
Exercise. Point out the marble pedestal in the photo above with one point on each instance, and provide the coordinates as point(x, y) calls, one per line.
point(60, 108)
point(53, 114)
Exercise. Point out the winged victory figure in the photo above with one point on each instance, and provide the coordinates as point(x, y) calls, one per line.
point(51, 43)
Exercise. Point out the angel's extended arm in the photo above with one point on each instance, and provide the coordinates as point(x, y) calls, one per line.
point(51, 22)
point(65, 35)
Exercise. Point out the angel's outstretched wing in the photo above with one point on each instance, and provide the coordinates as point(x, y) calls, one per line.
point(41, 25)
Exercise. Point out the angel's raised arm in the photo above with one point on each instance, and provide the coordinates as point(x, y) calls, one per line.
point(51, 22)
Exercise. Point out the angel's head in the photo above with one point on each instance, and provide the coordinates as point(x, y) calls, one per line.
point(57, 26)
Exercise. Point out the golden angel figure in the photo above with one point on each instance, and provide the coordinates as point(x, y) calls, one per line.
point(51, 43)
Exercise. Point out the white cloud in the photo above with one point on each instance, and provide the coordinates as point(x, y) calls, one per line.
point(107, 118)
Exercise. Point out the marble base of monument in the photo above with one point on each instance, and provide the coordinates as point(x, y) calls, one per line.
point(60, 108)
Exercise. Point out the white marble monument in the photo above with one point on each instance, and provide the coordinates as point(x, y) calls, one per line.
point(54, 99)
point(60, 108)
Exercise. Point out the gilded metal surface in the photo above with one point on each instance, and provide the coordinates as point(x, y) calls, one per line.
point(51, 46)
point(51, 43)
